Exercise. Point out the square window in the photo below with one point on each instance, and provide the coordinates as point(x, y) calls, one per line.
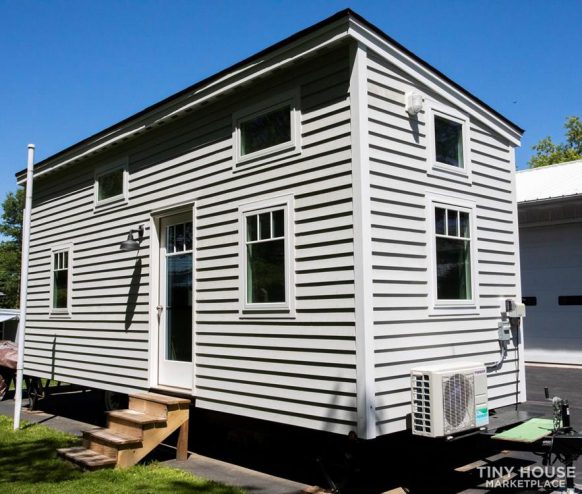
point(448, 136)
point(111, 183)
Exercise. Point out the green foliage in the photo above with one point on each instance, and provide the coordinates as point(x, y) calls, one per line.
point(549, 153)
point(10, 248)
point(13, 207)
point(29, 465)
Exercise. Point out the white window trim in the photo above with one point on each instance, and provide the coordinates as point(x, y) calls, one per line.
point(270, 310)
point(443, 169)
point(285, 149)
point(123, 198)
point(452, 307)
point(61, 312)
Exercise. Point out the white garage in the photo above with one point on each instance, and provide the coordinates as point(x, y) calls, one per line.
point(550, 224)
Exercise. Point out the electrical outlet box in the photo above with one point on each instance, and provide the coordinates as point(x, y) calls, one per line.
point(504, 329)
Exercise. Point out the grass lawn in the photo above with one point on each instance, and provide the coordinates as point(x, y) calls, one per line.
point(28, 464)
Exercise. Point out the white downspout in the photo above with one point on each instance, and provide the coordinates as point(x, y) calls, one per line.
point(23, 286)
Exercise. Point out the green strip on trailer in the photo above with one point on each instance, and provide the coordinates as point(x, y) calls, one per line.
point(528, 432)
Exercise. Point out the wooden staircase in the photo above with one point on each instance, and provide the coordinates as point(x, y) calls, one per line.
point(131, 434)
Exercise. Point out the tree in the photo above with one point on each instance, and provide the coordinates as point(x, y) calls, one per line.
point(549, 153)
point(10, 248)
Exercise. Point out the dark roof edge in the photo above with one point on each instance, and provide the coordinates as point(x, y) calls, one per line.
point(262, 53)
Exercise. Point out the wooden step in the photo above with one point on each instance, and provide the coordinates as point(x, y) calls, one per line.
point(162, 399)
point(87, 458)
point(111, 438)
point(136, 417)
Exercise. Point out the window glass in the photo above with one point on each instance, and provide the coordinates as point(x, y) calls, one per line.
point(265, 130)
point(110, 184)
point(439, 220)
point(448, 142)
point(60, 280)
point(265, 258)
point(453, 255)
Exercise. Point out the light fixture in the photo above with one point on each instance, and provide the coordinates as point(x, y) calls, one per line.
point(414, 102)
point(131, 244)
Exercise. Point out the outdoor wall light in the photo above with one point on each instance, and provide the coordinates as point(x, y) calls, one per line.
point(414, 102)
point(131, 244)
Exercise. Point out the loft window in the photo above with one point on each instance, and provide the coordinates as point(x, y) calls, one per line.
point(267, 131)
point(111, 184)
point(453, 254)
point(448, 136)
point(61, 280)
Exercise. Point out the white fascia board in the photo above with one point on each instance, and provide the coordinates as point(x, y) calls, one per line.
point(426, 77)
point(285, 56)
point(363, 287)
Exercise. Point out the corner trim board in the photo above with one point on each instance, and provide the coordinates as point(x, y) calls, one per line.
point(365, 387)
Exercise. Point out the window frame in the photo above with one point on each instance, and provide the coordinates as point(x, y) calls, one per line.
point(282, 150)
point(61, 311)
point(434, 109)
point(100, 171)
point(268, 309)
point(452, 306)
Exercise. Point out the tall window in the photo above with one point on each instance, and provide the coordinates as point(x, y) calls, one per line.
point(453, 254)
point(265, 257)
point(60, 280)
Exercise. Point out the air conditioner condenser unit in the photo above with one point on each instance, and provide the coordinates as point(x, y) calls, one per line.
point(449, 398)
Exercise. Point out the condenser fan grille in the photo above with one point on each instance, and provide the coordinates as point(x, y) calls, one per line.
point(458, 402)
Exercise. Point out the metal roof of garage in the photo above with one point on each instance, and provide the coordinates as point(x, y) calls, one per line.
point(558, 181)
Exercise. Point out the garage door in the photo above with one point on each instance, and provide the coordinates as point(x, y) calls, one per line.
point(551, 265)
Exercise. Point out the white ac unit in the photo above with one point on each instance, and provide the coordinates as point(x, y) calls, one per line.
point(449, 398)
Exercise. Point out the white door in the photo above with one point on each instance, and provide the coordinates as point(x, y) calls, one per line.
point(175, 302)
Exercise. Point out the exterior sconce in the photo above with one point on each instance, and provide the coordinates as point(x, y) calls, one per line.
point(130, 244)
point(414, 103)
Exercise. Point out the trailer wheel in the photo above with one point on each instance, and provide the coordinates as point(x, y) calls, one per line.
point(35, 391)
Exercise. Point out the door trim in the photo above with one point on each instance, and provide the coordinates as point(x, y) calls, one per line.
point(153, 336)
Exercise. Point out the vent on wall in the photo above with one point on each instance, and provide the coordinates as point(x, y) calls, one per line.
point(530, 301)
point(570, 300)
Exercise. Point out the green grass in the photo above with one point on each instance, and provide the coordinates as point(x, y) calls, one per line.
point(29, 465)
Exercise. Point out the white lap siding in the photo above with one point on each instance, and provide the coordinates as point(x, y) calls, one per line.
point(298, 371)
point(406, 334)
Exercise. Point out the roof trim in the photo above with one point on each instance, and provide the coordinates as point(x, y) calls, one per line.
point(248, 63)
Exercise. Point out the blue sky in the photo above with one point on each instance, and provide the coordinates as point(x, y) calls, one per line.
point(71, 68)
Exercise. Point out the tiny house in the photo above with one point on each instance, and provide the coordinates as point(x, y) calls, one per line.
point(284, 240)
point(550, 226)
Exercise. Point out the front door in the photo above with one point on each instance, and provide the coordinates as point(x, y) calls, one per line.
point(175, 302)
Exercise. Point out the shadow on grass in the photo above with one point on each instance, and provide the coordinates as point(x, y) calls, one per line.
point(30, 455)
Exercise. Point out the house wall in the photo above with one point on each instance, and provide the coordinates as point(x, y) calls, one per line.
point(406, 332)
point(298, 371)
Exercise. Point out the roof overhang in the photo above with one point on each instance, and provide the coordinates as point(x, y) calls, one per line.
point(341, 27)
